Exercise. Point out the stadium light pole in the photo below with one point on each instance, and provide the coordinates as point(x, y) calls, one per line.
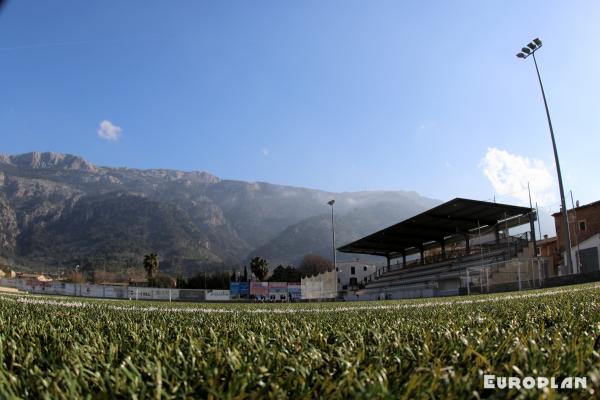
point(331, 203)
point(525, 52)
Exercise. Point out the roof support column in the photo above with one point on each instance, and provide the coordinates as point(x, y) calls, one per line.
point(532, 224)
point(403, 259)
point(467, 243)
point(388, 263)
point(497, 232)
point(443, 246)
point(422, 248)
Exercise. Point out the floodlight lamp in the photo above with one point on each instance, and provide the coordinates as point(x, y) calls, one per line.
point(532, 46)
point(525, 50)
point(537, 41)
point(331, 202)
point(521, 55)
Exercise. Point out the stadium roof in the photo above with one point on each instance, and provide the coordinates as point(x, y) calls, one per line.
point(453, 218)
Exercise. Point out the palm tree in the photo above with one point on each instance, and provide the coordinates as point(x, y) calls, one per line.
point(151, 266)
point(259, 267)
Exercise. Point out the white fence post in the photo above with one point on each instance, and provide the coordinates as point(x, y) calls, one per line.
point(519, 274)
point(532, 278)
point(480, 279)
point(487, 278)
point(468, 283)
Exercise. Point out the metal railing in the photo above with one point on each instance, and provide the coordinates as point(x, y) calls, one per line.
point(510, 275)
point(512, 245)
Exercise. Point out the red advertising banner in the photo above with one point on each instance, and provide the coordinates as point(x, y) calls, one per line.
point(278, 285)
point(259, 288)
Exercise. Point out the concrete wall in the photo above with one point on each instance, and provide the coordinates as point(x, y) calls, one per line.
point(113, 292)
point(322, 286)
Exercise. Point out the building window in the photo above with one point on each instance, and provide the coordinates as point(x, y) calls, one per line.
point(365, 268)
point(352, 271)
point(353, 282)
point(582, 226)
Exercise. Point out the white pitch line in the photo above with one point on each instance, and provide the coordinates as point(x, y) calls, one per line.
point(289, 310)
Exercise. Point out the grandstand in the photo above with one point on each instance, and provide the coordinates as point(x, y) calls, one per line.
point(461, 246)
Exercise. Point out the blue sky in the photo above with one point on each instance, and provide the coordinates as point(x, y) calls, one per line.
point(336, 95)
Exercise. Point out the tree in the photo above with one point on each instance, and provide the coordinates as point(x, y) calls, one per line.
point(245, 273)
point(259, 267)
point(278, 274)
point(285, 274)
point(313, 265)
point(216, 280)
point(151, 266)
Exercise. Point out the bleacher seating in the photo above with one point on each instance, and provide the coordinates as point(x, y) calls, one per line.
point(438, 278)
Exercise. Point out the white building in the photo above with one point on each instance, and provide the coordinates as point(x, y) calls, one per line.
point(353, 274)
point(586, 253)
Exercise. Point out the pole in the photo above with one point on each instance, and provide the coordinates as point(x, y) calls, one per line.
point(480, 244)
point(507, 237)
point(567, 237)
point(577, 258)
point(532, 276)
point(537, 212)
point(333, 242)
point(331, 203)
point(532, 222)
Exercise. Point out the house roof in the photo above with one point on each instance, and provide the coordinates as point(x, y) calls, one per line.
point(595, 203)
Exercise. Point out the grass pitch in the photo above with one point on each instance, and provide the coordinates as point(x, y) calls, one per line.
point(53, 347)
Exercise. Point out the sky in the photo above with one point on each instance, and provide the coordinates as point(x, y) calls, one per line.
point(345, 95)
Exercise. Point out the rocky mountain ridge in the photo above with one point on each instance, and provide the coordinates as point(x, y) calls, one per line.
point(59, 209)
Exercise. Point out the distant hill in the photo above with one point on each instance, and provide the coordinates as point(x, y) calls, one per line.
point(313, 235)
point(59, 209)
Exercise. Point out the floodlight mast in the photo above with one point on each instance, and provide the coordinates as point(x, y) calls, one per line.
point(527, 51)
point(331, 203)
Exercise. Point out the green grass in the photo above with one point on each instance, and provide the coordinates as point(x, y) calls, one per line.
point(53, 347)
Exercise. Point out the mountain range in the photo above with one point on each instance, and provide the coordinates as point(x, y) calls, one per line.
point(61, 210)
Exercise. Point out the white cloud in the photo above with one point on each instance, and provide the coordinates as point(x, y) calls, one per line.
point(265, 152)
point(108, 131)
point(426, 125)
point(509, 173)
